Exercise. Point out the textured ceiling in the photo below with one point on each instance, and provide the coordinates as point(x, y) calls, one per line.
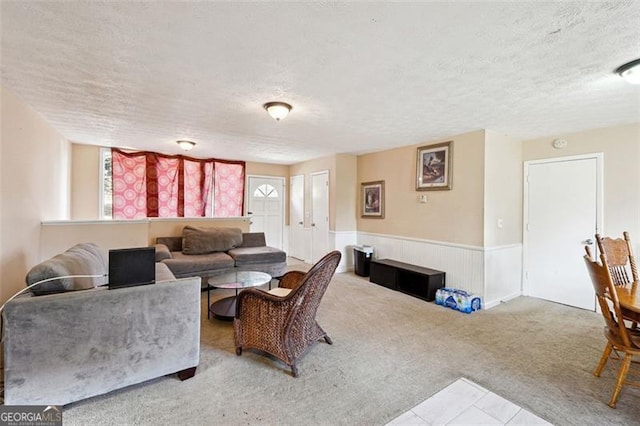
point(361, 76)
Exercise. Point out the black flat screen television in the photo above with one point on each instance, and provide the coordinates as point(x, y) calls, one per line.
point(131, 267)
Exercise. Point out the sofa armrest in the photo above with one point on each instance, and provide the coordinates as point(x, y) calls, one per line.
point(162, 252)
point(174, 243)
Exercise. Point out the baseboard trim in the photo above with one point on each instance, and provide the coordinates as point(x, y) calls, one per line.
point(494, 303)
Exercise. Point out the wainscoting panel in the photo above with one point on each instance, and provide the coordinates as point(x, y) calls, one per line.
point(464, 265)
point(503, 274)
point(344, 242)
point(494, 273)
point(309, 241)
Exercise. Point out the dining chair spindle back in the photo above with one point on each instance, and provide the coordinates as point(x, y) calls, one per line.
point(619, 256)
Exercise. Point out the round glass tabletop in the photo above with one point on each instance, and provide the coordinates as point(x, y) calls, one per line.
point(239, 279)
point(225, 309)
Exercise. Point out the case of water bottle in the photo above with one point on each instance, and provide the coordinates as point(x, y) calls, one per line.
point(459, 300)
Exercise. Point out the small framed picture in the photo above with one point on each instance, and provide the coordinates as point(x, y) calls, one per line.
point(434, 168)
point(372, 200)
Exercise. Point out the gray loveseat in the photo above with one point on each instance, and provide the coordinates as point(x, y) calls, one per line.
point(209, 251)
point(86, 341)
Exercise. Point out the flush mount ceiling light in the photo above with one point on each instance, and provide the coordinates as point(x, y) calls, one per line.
point(630, 71)
point(278, 110)
point(186, 145)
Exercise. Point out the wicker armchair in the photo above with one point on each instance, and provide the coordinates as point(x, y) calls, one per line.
point(285, 327)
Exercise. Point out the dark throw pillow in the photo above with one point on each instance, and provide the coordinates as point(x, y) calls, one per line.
point(209, 240)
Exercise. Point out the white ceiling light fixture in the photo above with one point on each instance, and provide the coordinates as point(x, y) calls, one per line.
point(630, 71)
point(278, 110)
point(186, 145)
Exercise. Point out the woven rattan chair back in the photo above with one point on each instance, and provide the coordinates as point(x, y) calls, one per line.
point(312, 287)
point(285, 327)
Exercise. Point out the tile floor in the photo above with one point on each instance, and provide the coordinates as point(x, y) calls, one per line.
point(466, 403)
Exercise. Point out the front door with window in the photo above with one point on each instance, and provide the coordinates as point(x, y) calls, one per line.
point(265, 207)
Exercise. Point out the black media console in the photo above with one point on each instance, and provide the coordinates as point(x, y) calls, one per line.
point(411, 279)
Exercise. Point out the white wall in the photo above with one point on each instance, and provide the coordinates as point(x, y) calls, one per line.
point(620, 146)
point(502, 202)
point(502, 190)
point(34, 179)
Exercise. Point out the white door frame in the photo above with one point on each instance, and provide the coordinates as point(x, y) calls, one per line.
point(283, 198)
point(599, 157)
point(321, 172)
point(297, 229)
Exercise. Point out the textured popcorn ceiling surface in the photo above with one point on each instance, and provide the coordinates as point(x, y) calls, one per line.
point(361, 76)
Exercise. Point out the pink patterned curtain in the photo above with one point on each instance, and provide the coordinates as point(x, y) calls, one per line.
point(197, 188)
point(129, 185)
point(163, 188)
point(229, 189)
point(147, 184)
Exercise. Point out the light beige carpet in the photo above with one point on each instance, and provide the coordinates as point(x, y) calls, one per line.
point(390, 352)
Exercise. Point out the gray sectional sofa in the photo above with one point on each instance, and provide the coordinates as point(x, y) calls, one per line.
point(209, 251)
point(81, 339)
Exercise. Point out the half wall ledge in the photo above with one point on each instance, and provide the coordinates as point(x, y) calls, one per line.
point(58, 235)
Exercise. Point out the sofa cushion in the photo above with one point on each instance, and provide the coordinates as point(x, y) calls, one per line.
point(253, 239)
point(181, 264)
point(251, 255)
point(209, 240)
point(81, 259)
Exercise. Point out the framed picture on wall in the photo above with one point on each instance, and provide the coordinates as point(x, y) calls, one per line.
point(434, 167)
point(372, 199)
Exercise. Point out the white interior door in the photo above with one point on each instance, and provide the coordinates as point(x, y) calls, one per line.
point(296, 217)
point(320, 215)
point(561, 215)
point(265, 207)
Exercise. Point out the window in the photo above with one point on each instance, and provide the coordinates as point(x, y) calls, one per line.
point(106, 184)
point(265, 191)
point(137, 185)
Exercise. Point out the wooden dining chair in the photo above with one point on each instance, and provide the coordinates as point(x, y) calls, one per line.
point(622, 266)
point(622, 346)
point(619, 256)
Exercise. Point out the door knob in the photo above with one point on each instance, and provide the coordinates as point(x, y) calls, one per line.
point(249, 212)
point(313, 224)
point(588, 241)
point(300, 223)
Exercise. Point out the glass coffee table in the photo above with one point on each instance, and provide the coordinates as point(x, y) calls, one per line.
point(225, 309)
